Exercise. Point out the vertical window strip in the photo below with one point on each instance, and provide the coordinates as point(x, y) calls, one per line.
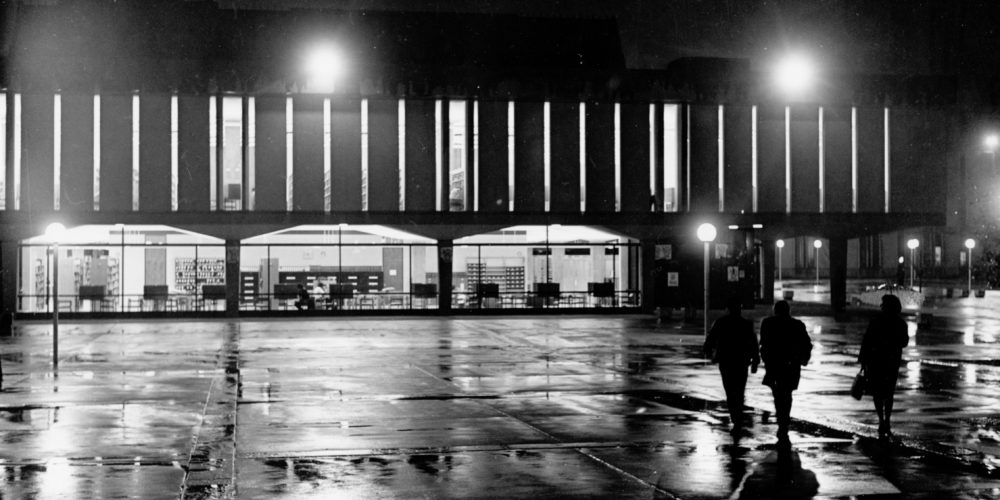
point(583, 157)
point(687, 159)
point(886, 158)
point(135, 152)
point(547, 152)
point(213, 159)
point(671, 157)
point(618, 157)
point(722, 159)
point(251, 152)
point(17, 152)
point(174, 150)
point(290, 155)
point(754, 169)
point(475, 155)
point(401, 140)
point(364, 155)
point(822, 163)
point(854, 159)
point(652, 155)
point(788, 159)
point(510, 156)
point(56, 148)
point(438, 161)
point(327, 151)
point(97, 152)
point(3, 151)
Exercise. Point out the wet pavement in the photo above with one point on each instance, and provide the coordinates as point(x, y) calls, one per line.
point(483, 407)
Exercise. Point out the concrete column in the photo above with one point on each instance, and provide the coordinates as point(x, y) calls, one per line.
point(648, 256)
point(8, 283)
point(233, 278)
point(838, 273)
point(446, 254)
point(768, 254)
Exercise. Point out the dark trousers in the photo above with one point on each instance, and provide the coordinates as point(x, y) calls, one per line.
point(782, 408)
point(734, 381)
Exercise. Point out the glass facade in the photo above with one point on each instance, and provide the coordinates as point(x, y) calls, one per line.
point(545, 266)
point(123, 269)
point(358, 268)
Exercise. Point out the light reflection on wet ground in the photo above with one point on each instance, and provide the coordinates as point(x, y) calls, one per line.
point(562, 407)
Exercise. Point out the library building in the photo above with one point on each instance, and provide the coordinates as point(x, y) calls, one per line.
point(339, 163)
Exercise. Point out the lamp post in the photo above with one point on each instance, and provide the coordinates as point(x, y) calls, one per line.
point(970, 244)
point(706, 233)
point(55, 232)
point(817, 244)
point(780, 244)
point(912, 244)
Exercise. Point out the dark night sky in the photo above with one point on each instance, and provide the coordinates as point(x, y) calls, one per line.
point(881, 36)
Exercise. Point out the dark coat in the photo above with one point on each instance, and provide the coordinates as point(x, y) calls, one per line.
point(732, 341)
point(882, 352)
point(785, 347)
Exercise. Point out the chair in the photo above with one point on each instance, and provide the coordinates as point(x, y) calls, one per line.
point(157, 295)
point(93, 295)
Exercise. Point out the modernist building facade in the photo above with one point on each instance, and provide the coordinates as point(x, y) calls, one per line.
point(546, 176)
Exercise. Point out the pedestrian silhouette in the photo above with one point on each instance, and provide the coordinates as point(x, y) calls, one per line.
point(785, 347)
point(732, 343)
point(880, 358)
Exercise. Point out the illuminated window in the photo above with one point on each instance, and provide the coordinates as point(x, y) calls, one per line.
point(457, 144)
point(135, 152)
point(618, 157)
point(17, 152)
point(671, 156)
point(251, 151)
point(174, 151)
point(364, 155)
point(213, 182)
point(289, 154)
point(56, 148)
point(232, 153)
point(97, 152)
point(583, 157)
point(401, 141)
point(3, 151)
point(510, 156)
point(547, 152)
point(438, 162)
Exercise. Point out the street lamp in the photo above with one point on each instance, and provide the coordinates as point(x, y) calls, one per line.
point(794, 75)
point(780, 244)
point(970, 244)
point(817, 244)
point(324, 64)
point(706, 233)
point(912, 244)
point(55, 232)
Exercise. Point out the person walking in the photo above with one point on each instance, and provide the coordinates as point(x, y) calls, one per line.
point(732, 343)
point(785, 347)
point(880, 357)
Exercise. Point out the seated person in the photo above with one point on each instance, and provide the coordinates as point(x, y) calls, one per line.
point(304, 301)
point(319, 293)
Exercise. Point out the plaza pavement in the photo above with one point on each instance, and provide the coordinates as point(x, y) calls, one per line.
point(481, 407)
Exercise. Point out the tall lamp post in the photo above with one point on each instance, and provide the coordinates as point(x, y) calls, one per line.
point(706, 233)
point(54, 233)
point(817, 244)
point(780, 244)
point(912, 244)
point(970, 244)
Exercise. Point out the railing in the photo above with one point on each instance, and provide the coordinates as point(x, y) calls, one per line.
point(373, 301)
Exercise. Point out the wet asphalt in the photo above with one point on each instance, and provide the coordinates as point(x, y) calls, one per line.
point(483, 407)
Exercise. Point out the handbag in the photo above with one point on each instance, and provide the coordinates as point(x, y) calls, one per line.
point(858, 386)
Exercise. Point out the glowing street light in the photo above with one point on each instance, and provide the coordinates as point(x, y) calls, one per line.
point(912, 244)
point(992, 141)
point(55, 232)
point(794, 75)
point(817, 244)
point(970, 244)
point(706, 233)
point(780, 244)
point(324, 64)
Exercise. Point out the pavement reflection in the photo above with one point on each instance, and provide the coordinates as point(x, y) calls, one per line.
point(523, 407)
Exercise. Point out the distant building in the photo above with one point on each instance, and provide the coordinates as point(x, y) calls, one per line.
point(458, 162)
